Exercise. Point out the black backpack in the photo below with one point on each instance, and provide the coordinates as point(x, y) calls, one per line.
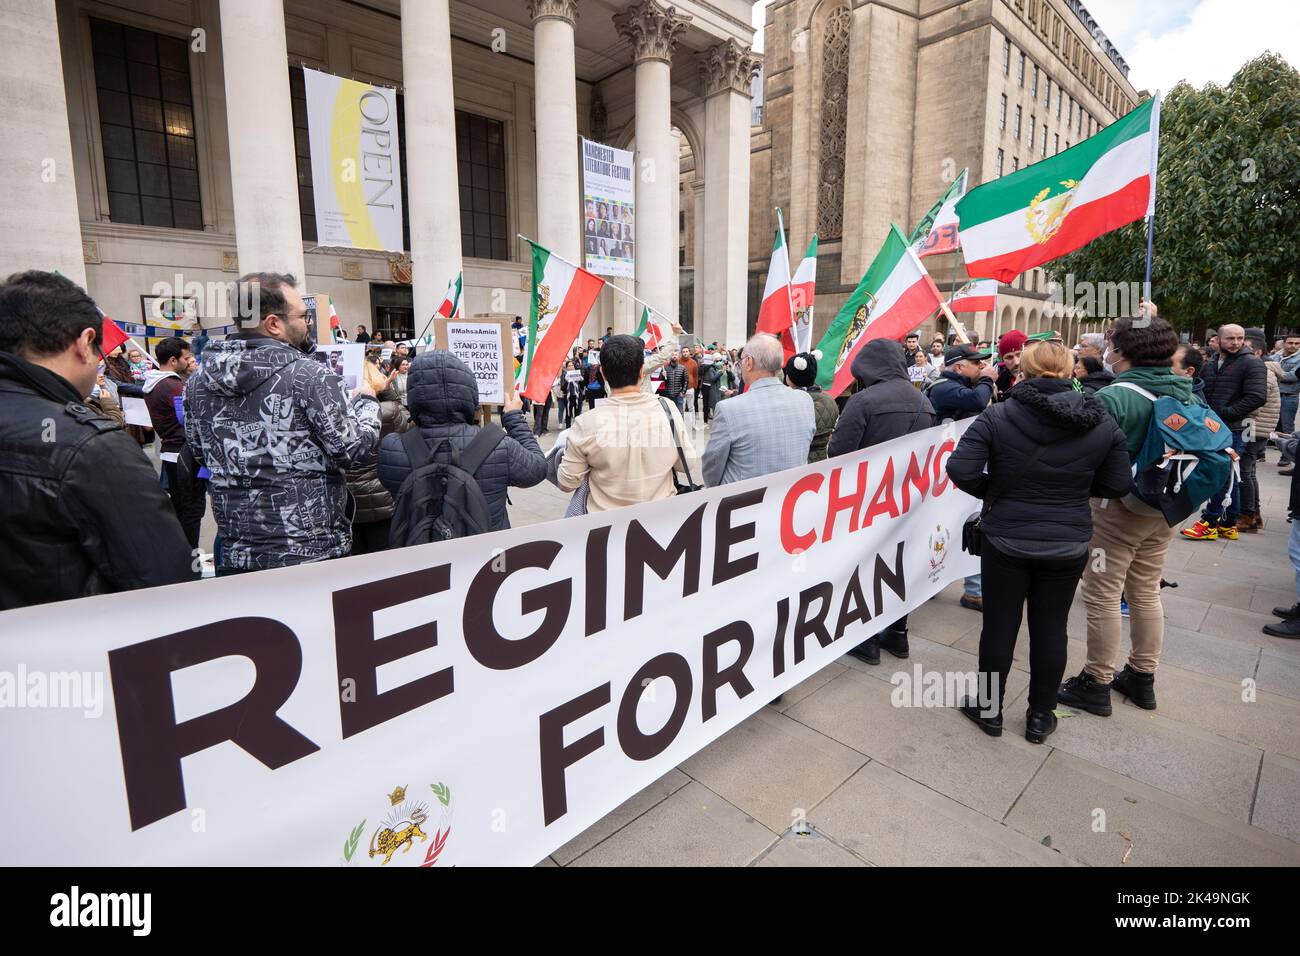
point(439, 501)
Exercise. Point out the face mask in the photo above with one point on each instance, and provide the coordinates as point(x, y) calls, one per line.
point(1105, 361)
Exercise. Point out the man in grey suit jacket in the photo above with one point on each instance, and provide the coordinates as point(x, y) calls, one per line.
point(767, 429)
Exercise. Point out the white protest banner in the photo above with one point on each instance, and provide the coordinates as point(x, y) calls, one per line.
point(352, 129)
point(608, 222)
point(479, 346)
point(479, 701)
point(136, 412)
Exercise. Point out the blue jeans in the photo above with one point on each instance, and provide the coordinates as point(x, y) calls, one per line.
point(1286, 420)
point(1214, 512)
point(1293, 551)
point(974, 585)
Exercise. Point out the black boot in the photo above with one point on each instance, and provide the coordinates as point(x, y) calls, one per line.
point(1288, 628)
point(894, 640)
point(1287, 613)
point(868, 651)
point(1039, 725)
point(1086, 693)
point(1136, 686)
point(990, 725)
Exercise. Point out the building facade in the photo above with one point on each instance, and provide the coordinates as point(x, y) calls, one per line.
point(871, 109)
point(165, 141)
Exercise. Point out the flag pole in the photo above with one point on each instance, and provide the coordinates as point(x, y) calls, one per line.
point(789, 293)
point(1151, 205)
point(609, 285)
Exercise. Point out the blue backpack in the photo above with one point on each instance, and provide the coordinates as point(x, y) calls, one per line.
point(1185, 458)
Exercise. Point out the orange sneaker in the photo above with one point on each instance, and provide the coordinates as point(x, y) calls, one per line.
point(1228, 532)
point(1202, 531)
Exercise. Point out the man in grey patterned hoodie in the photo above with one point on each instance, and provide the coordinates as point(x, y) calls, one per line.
point(277, 430)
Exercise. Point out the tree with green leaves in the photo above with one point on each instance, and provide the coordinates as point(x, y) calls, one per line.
point(1227, 236)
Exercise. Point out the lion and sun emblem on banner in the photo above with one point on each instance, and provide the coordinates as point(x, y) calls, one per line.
point(402, 827)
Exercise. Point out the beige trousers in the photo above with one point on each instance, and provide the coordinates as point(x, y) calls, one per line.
point(1126, 557)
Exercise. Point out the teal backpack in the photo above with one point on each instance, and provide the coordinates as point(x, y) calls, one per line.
point(1186, 457)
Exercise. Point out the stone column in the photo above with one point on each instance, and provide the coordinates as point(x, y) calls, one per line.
point(726, 72)
point(697, 250)
point(653, 30)
point(40, 226)
point(559, 202)
point(432, 182)
point(263, 171)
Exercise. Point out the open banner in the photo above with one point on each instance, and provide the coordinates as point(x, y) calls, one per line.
point(481, 701)
point(355, 167)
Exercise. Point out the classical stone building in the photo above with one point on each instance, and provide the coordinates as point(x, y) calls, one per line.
point(871, 108)
point(150, 140)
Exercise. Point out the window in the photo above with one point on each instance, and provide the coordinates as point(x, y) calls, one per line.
point(1033, 88)
point(1020, 72)
point(1017, 129)
point(1006, 57)
point(1047, 93)
point(1032, 120)
point(146, 121)
point(1070, 117)
point(999, 167)
point(1060, 94)
point(1043, 151)
point(1056, 143)
point(1002, 113)
point(481, 165)
point(1015, 163)
point(1079, 123)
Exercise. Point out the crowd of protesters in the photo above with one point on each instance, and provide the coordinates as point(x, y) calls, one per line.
point(300, 469)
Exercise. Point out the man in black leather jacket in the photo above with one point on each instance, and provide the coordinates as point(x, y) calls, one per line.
point(81, 510)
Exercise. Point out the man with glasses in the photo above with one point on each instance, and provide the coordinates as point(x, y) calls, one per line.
point(81, 511)
point(277, 430)
point(964, 389)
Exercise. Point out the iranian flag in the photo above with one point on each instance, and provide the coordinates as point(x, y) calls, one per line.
point(1055, 206)
point(798, 338)
point(936, 233)
point(649, 330)
point(894, 297)
point(776, 313)
point(110, 333)
point(451, 301)
point(978, 295)
point(562, 296)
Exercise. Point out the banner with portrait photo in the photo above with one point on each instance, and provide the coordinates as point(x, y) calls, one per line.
point(607, 210)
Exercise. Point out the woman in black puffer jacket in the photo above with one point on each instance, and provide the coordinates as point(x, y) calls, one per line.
point(1047, 450)
point(374, 505)
point(443, 398)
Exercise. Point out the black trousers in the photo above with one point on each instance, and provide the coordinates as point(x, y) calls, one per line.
point(371, 537)
point(542, 415)
point(1047, 585)
point(189, 495)
point(706, 390)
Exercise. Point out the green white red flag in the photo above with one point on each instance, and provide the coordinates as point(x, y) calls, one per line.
point(894, 297)
point(451, 301)
point(776, 313)
point(936, 233)
point(563, 294)
point(803, 286)
point(649, 330)
point(978, 295)
point(1057, 205)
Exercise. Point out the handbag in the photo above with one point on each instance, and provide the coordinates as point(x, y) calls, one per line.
point(972, 532)
point(681, 456)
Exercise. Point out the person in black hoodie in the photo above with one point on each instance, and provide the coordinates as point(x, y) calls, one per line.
point(885, 406)
point(1036, 459)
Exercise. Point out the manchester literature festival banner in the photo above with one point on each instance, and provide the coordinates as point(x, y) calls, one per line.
point(355, 169)
point(474, 702)
point(607, 206)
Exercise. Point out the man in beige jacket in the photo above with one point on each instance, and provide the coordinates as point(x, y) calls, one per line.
point(625, 447)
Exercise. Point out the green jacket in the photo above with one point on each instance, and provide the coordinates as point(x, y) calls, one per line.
point(1131, 411)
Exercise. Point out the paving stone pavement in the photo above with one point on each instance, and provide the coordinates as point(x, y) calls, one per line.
point(837, 776)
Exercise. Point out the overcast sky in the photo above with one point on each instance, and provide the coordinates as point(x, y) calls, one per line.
point(1201, 41)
